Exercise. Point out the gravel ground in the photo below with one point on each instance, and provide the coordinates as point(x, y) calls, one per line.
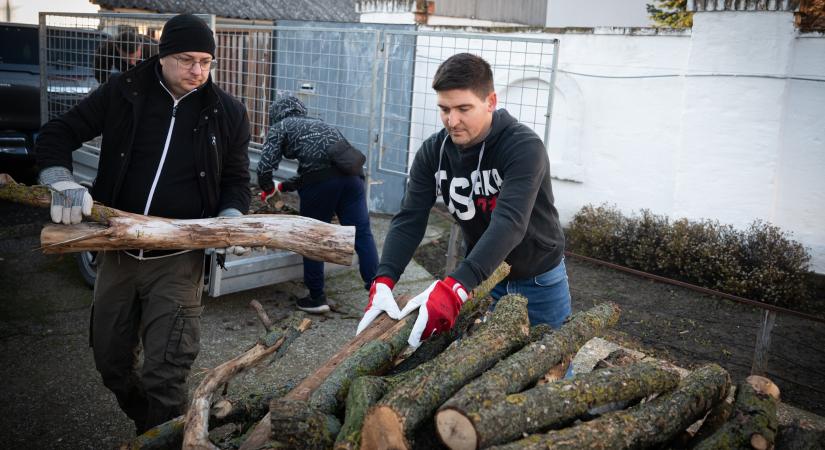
point(53, 396)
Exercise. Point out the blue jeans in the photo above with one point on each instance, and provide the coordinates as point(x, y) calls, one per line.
point(548, 295)
point(346, 198)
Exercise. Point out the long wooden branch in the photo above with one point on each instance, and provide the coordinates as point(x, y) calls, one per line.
point(119, 230)
point(308, 237)
point(41, 197)
point(647, 425)
point(196, 434)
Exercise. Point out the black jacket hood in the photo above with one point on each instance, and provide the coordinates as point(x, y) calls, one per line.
point(286, 105)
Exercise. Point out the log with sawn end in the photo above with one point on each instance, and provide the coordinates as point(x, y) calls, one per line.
point(521, 370)
point(392, 422)
point(550, 405)
point(753, 422)
point(646, 425)
point(358, 357)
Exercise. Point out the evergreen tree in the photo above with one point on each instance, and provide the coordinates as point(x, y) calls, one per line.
point(670, 14)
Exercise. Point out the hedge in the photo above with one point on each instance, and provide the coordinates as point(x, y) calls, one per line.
point(760, 262)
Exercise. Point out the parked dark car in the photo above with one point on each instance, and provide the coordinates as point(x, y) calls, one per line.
point(19, 98)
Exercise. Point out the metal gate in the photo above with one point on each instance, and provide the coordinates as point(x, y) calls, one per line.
point(523, 72)
point(371, 81)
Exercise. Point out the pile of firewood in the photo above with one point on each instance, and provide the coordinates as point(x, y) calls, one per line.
point(501, 385)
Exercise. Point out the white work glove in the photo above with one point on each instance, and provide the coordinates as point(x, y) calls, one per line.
point(70, 201)
point(438, 307)
point(381, 300)
point(236, 250)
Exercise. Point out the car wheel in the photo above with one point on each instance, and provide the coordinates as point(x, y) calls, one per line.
point(87, 263)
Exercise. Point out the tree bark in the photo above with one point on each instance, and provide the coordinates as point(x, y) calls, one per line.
point(646, 425)
point(800, 435)
point(41, 197)
point(334, 377)
point(550, 405)
point(393, 420)
point(295, 425)
point(753, 422)
point(196, 434)
point(525, 367)
point(309, 237)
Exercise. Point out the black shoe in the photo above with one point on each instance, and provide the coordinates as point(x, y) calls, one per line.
point(313, 305)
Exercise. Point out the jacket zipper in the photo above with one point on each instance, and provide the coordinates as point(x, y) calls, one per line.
point(175, 103)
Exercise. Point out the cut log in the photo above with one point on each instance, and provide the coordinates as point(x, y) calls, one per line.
point(550, 405)
point(647, 425)
point(309, 237)
point(367, 391)
point(383, 328)
point(364, 392)
point(196, 434)
point(714, 420)
point(753, 422)
point(394, 419)
point(295, 425)
point(525, 367)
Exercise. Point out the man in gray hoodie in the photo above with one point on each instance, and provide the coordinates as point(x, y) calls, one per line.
point(493, 174)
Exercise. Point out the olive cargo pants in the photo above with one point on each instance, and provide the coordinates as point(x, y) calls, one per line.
point(156, 302)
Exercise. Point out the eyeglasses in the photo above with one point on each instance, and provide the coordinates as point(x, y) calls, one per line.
point(188, 63)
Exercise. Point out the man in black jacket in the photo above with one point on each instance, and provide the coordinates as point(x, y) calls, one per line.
point(330, 181)
point(493, 174)
point(174, 145)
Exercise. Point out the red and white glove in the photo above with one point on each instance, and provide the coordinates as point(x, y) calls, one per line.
point(381, 300)
point(438, 307)
point(266, 195)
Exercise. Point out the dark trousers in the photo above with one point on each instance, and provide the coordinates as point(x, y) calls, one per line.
point(157, 303)
point(346, 198)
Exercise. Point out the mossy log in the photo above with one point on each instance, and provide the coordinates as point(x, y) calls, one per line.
point(647, 425)
point(753, 422)
point(470, 312)
point(525, 367)
point(296, 425)
point(332, 380)
point(196, 429)
point(549, 405)
point(800, 435)
point(393, 420)
point(367, 391)
point(363, 394)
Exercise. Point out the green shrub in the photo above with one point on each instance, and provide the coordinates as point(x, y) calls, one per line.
point(760, 262)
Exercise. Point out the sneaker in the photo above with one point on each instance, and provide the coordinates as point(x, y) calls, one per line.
point(313, 305)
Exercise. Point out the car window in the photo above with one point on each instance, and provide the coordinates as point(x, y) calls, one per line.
point(18, 45)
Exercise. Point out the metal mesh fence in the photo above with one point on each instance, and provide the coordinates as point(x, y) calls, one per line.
point(523, 69)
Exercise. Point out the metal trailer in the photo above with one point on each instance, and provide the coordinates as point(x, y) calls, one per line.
point(371, 81)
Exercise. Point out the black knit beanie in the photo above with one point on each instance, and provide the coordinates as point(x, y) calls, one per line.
point(186, 33)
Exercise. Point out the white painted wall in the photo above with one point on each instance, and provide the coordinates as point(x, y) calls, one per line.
point(653, 119)
point(597, 13)
point(26, 11)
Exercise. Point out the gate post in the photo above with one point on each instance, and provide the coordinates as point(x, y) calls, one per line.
point(763, 343)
